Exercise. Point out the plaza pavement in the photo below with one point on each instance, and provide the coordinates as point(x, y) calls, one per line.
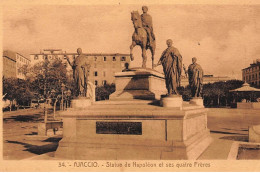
point(22, 142)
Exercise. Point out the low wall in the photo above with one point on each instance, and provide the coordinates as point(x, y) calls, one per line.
point(249, 105)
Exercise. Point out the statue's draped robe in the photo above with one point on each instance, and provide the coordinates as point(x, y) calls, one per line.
point(81, 72)
point(195, 79)
point(171, 61)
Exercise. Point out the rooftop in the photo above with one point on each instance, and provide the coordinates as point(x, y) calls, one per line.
point(254, 64)
point(12, 55)
point(87, 54)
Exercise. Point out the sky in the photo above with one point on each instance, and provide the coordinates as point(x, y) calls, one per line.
point(224, 38)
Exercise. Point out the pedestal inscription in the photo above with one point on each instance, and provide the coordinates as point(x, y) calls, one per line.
point(123, 128)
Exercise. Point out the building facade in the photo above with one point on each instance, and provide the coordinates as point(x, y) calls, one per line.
point(20, 62)
point(103, 65)
point(9, 64)
point(251, 74)
point(12, 62)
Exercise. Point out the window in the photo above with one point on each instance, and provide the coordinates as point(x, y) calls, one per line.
point(114, 58)
point(36, 57)
point(95, 58)
point(104, 73)
point(96, 82)
point(104, 82)
point(105, 58)
point(95, 73)
point(122, 58)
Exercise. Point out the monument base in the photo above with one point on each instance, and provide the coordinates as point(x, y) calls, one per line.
point(137, 131)
point(171, 101)
point(254, 133)
point(139, 83)
point(80, 103)
point(197, 101)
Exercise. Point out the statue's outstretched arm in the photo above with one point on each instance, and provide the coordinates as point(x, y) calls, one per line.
point(68, 60)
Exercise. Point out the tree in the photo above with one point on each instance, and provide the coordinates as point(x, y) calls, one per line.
point(47, 75)
point(10, 87)
point(17, 90)
point(103, 92)
point(217, 94)
point(24, 94)
point(185, 92)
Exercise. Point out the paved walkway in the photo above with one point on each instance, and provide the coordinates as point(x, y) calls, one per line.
point(22, 142)
point(218, 149)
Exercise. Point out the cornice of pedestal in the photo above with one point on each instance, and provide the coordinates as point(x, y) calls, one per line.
point(138, 71)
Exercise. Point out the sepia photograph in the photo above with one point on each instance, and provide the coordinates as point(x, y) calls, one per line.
point(130, 86)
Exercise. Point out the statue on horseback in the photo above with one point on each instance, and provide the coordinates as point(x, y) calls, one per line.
point(143, 34)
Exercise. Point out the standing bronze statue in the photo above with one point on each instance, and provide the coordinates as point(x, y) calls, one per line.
point(80, 66)
point(171, 60)
point(195, 78)
point(143, 34)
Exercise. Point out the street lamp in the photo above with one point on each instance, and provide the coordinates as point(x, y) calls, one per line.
point(55, 101)
point(68, 95)
point(62, 90)
point(65, 99)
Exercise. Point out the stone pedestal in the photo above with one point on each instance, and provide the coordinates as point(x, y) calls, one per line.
point(172, 101)
point(254, 133)
point(135, 131)
point(197, 101)
point(139, 83)
point(81, 103)
point(131, 127)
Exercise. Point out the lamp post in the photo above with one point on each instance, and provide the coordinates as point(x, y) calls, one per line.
point(45, 91)
point(54, 105)
point(44, 105)
point(66, 99)
point(62, 90)
point(69, 95)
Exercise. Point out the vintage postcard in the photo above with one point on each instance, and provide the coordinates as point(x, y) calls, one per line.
point(130, 86)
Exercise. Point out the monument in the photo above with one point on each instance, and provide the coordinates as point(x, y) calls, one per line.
point(143, 34)
point(171, 60)
point(132, 125)
point(195, 73)
point(80, 66)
